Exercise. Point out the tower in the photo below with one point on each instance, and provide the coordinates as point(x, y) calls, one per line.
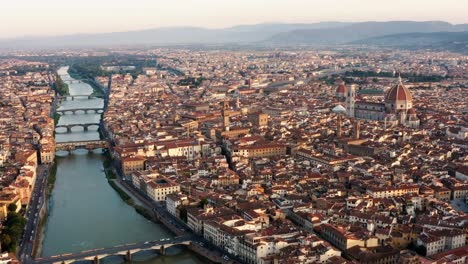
point(225, 112)
point(339, 132)
point(357, 128)
point(350, 100)
point(339, 110)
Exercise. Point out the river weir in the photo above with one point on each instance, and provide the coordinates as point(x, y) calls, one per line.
point(84, 212)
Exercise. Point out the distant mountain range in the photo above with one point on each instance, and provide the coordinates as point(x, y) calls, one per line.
point(453, 41)
point(323, 33)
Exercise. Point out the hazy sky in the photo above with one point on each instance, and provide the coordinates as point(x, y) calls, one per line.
point(52, 17)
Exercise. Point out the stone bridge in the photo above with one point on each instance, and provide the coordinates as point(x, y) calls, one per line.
point(89, 145)
point(70, 126)
point(72, 81)
point(72, 97)
point(126, 251)
point(84, 110)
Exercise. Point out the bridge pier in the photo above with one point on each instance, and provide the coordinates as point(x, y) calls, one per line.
point(96, 260)
point(128, 256)
point(85, 128)
point(69, 129)
point(162, 251)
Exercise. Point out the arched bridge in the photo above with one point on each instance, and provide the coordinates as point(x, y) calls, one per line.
point(126, 251)
point(70, 126)
point(84, 110)
point(72, 97)
point(72, 81)
point(89, 145)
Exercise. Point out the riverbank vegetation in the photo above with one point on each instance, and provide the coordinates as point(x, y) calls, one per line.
point(86, 70)
point(12, 231)
point(52, 178)
point(143, 211)
point(56, 118)
point(60, 86)
point(125, 197)
point(88, 73)
point(107, 164)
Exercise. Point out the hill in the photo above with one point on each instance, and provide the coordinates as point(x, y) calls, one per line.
point(453, 41)
point(358, 31)
point(269, 34)
point(167, 36)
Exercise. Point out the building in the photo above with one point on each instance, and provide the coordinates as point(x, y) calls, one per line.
point(397, 107)
point(260, 150)
point(344, 239)
point(156, 186)
point(173, 201)
point(196, 217)
point(392, 191)
point(258, 119)
point(131, 164)
point(157, 189)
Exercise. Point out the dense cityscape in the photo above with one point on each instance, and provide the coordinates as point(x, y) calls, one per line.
point(234, 132)
point(255, 156)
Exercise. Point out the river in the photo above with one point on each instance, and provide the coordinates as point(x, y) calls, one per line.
point(84, 212)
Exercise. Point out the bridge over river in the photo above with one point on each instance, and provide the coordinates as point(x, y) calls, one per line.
point(97, 110)
point(125, 251)
point(72, 81)
point(88, 144)
point(76, 96)
point(70, 126)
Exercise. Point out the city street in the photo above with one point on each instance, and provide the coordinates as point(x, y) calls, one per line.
point(26, 246)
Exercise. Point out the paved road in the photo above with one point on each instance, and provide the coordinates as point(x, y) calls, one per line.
point(114, 250)
point(37, 200)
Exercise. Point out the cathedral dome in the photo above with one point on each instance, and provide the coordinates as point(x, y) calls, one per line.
point(398, 93)
point(341, 92)
point(341, 89)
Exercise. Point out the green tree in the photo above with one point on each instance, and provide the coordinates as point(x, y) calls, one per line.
point(12, 207)
point(203, 203)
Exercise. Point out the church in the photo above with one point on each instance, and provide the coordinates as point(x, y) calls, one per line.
point(397, 107)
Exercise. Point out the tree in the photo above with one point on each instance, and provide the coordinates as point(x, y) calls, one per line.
point(13, 228)
point(6, 240)
point(12, 207)
point(203, 203)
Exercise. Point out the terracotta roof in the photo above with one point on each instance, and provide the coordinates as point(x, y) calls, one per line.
point(398, 92)
point(341, 89)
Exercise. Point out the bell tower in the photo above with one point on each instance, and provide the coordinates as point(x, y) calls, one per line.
point(350, 100)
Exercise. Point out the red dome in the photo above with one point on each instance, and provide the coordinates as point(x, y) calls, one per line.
point(341, 89)
point(398, 93)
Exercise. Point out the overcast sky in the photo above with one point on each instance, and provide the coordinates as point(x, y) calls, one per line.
point(57, 17)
